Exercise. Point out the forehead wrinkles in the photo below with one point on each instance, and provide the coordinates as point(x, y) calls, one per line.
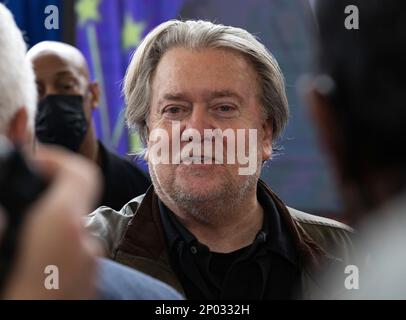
point(219, 68)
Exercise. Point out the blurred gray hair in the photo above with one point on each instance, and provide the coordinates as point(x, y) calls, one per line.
point(17, 80)
point(197, 35)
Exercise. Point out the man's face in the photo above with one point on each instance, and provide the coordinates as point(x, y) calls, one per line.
point(56, 75)
point(206, 89)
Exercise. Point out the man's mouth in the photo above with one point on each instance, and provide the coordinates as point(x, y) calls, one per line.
point(199, 160)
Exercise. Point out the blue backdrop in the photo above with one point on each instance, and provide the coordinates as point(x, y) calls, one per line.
point(30, 17)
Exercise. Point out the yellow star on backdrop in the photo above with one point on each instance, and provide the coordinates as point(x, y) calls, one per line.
point(132, 33)
point(87, 10)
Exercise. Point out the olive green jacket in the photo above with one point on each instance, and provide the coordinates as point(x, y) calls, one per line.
point(134, 236)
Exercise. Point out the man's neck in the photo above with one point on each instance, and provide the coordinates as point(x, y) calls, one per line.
point(236, 229)
point(90, 146)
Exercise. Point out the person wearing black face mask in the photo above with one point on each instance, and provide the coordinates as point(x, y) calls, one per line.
point(64, 117)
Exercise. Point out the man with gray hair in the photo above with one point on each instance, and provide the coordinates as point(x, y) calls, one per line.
point(204, 227)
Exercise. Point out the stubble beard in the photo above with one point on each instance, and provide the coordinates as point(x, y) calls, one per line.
point(209, 207)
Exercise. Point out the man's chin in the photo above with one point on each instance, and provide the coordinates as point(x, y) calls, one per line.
point(200, 187)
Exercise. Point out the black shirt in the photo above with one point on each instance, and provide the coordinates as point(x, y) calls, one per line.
point(266, 269)
point(123, 181)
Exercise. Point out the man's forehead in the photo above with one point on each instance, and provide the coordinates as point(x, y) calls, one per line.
point(205, 72)
point(65, 60)
point(53, 67)
point(208, 94)
point(223, 58)
point(45, 58)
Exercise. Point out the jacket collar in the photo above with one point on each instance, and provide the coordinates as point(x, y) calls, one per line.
point(145, 238)
point(310, 253)
point(145, 235)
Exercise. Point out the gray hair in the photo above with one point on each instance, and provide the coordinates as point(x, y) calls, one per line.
point(196, 35)
point(17, 80)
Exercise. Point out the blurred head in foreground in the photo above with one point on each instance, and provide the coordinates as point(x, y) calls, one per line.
point(17, 85)
point(358, 98)
point(358, 103)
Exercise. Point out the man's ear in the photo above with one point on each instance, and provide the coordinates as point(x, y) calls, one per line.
point(329, 134)
point(146, 130)
point(146, 155)
point(267, 140)
point(95, 98)
point(18, 128)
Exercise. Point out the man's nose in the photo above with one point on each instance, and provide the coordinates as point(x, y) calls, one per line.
point(50, 90)
point(199, 119)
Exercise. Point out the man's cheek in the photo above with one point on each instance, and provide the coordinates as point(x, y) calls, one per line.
point(87, 106)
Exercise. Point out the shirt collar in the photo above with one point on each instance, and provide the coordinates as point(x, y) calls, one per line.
point(277, 234)
point(174, 229)
point(273, 232)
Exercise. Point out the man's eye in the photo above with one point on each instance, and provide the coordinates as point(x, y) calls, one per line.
point(173, 110)
point(225, 108)
point(67, 86)
point(225, 111)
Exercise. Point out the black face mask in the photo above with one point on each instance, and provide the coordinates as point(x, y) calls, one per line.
point(61, 120)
